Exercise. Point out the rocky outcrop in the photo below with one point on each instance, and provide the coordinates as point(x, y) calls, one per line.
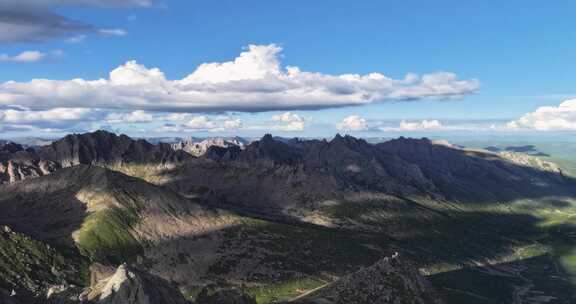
point(129, 285)
point(391, 280)
point(18, 163)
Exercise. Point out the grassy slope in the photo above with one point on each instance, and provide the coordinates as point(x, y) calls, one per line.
point(105, 236)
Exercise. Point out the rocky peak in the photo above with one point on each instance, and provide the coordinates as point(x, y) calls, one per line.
point(267, 138)
point(270, 150)
point(348, 142)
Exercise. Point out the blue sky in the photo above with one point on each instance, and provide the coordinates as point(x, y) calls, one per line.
point(514, 57)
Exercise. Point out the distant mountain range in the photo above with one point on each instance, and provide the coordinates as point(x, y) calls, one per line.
point(104, 218)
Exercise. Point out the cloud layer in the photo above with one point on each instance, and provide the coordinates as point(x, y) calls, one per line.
point(560, 118)
point(38, 21)
point(253, 82)
point(185, 122)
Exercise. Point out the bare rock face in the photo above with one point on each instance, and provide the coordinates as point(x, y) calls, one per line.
point(131, 286)
point(199, 148)
point(18, 163)
point(126, 285)
point(391, 280)
point(531, 161)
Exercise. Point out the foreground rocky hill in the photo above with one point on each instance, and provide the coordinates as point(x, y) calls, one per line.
point(390, 280)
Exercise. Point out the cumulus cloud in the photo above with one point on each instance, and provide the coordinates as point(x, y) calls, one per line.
point(186, 122)
point(289, 122)
point(58, 114)
point(353, 123)
point(22, 119)
point(38, 21)
point(550, 118)
point(24, 57)
point(254, 82)
point(138, 116)
point(423, 125)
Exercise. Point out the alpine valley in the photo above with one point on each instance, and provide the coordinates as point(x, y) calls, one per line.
point(105, 218)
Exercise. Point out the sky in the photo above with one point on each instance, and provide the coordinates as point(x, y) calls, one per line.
point(292, 68)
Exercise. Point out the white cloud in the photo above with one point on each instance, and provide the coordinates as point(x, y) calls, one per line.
point(259, 62)
point(20, 116)
point(191, 123)
point(24, 57)
point(113, 32)
point(560, 118)
point(21, 119)
point(420, 125)
point(353, 123)
point(253, 82)
point(137, 116)
point(291, 122)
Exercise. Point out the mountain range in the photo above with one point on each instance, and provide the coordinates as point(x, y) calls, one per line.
point(104, 218)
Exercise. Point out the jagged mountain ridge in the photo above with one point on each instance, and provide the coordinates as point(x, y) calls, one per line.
point(403, 167)
point(421, 195)
point(415, 196)
point(102, 147)
point(97, 148)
